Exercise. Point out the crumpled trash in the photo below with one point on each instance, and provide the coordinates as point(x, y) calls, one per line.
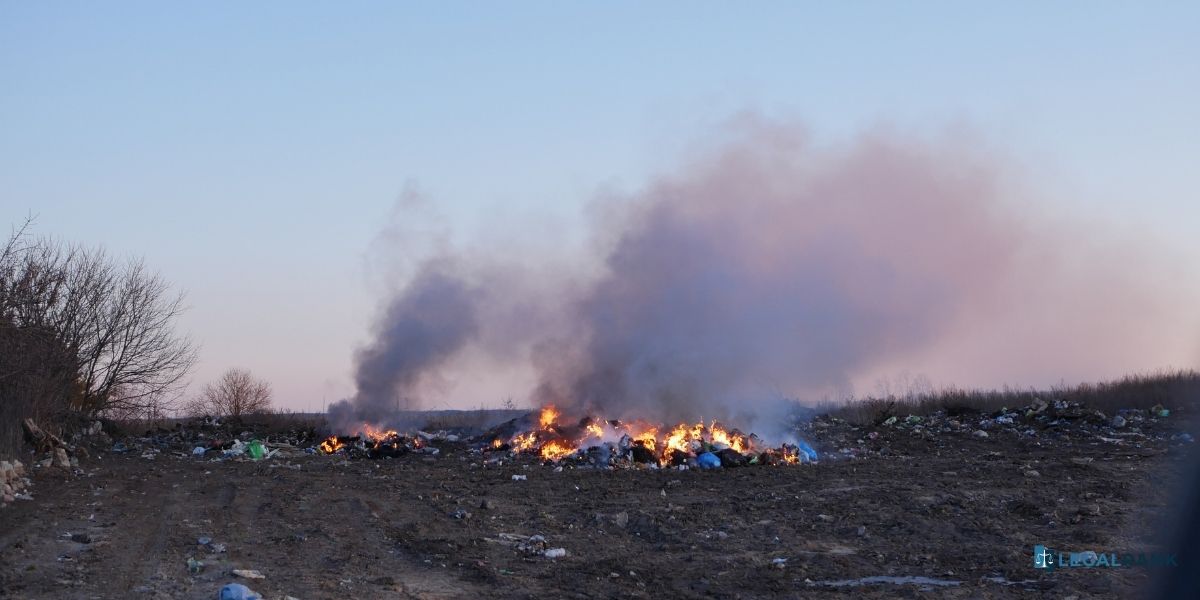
point(256, 449)
point(198, 451)
point(194, 566)
point(120, 447)
point(890, 421)
point(237, 591)
point(708, 460)
point(519, 478)
point(809, 454)
point(912, 420)
point(237, 449)
point(555, 553)
point(249, 573)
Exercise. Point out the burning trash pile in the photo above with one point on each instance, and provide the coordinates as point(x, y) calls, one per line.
point(599, 442)
point(373, 442)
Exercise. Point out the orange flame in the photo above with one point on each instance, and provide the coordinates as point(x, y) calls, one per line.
point(331, 445)
point(556, 449)
point(549, 417)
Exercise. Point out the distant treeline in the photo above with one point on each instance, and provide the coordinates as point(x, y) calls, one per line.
point(1171, 389)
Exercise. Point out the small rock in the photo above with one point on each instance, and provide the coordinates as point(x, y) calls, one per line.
point(61, 460)
point(1118, 422)
point(979, 433)
point(1032, 473)
point(621, 519)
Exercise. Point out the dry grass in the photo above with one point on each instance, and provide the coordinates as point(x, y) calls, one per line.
point(1172, 389)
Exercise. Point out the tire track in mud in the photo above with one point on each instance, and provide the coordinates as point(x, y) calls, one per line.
point(146, 559)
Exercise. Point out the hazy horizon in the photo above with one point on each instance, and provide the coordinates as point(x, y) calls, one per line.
point(290, 165)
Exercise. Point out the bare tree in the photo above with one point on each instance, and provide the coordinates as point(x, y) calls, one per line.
point(236, 393)
point(80, 332)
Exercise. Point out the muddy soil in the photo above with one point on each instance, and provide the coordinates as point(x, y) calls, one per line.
point(961, 512)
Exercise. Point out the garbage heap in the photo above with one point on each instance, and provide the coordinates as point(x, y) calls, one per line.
point(612, 443)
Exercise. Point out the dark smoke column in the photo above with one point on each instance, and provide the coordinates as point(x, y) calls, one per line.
point(431, 319)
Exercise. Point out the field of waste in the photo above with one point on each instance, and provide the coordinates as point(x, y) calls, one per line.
point(937, 505)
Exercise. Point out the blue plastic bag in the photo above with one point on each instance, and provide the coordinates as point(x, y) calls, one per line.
point(708, 460)
point(807, 451)
point(237, 591)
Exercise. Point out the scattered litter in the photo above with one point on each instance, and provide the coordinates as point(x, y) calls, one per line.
point(249, 574)
point(519, 478)
point(882, 579)
point(555, 553)
point(198, 451)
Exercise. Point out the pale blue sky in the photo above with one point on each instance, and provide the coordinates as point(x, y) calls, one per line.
point(250, 151)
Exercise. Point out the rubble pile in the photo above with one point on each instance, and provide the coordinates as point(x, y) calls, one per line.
point(612, 444)
point(14, 484)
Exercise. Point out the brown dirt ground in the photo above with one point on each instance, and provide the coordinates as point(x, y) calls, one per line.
point(948, 507)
